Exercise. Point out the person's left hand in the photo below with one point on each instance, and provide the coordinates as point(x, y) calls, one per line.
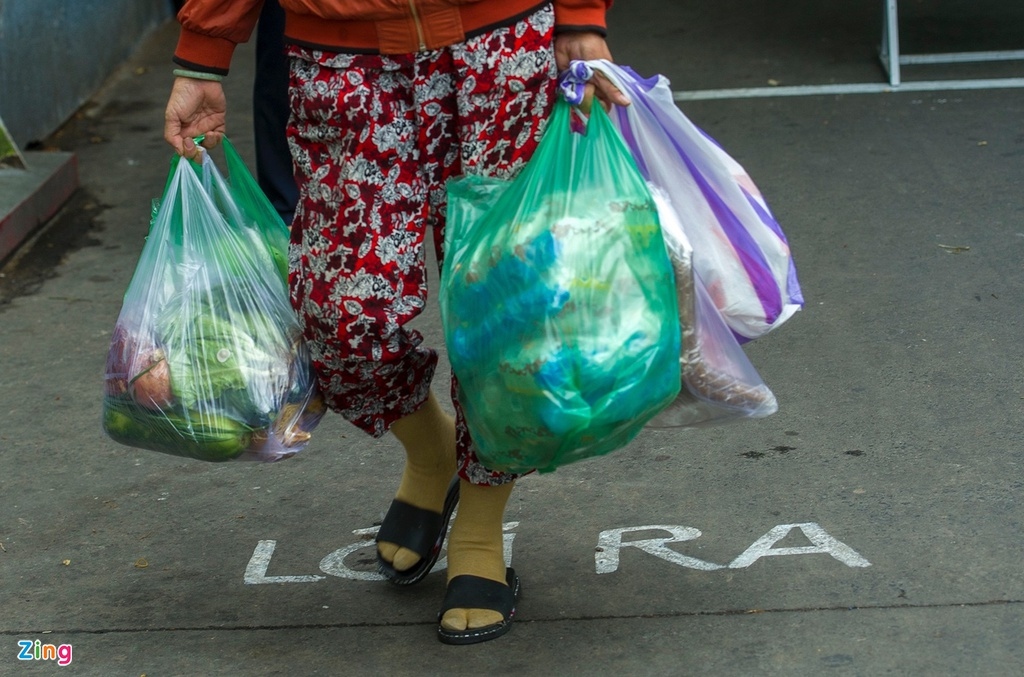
point(586, 46)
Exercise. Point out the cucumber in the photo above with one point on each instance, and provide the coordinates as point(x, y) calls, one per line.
point(204, 436)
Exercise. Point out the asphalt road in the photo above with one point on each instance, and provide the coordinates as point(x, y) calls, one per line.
point(872, 526)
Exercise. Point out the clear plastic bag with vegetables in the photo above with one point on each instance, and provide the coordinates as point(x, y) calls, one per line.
point(206, 359)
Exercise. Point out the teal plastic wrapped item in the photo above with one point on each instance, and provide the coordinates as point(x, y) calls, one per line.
point(207, 360)
point(558, 302)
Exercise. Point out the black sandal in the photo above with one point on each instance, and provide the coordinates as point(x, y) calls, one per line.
point(473, 592)
point(419, 530)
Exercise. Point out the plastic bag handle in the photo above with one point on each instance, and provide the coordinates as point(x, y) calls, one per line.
point(207, 172)
point(572, 82)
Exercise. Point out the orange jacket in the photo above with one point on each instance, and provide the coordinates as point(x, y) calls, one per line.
point(211, 29)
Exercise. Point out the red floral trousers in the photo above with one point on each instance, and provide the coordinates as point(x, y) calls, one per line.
point(374, 138)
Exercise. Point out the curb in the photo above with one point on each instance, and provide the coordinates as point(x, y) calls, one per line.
point(30, 197)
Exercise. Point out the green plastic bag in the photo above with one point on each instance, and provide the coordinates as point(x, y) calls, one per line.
point(558, 303)
point(250, 199)
point(207, 359)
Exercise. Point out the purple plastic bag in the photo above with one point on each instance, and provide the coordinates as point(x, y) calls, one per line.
point(739, 251)
point(718, 381)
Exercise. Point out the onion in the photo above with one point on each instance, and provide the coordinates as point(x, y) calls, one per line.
point(152, 388)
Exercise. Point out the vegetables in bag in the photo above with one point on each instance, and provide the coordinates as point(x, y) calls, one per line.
point(557, 302)
point(739, 249)
point(206, 359)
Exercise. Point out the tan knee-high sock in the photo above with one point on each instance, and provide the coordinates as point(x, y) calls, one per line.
point(428, 435)
point(476, 547)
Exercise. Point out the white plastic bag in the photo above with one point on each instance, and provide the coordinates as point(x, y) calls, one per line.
point(739, 251)
point(719, 383)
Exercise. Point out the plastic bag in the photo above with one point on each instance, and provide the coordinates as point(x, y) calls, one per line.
point(251, 205)
point(719, 383)
point(557, 302)
point(739, 249)
point(206, 359)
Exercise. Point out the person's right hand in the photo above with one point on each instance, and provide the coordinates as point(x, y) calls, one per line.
point(585, 46)
point(195, 108)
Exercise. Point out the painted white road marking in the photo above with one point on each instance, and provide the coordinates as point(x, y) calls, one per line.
point(823, 543)
point(855, 88)
point(606, 558)
point(609, 543)
point(334, 563)
point(256, 571)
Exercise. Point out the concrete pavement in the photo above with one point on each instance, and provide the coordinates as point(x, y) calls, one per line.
point(872, 526)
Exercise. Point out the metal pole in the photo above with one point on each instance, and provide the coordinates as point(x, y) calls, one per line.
point(890, 49)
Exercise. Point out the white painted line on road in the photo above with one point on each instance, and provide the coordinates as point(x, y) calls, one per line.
point(609, 543)
point(333, 564)
point(256, 570)
point(855, 88)
point(822, 543)
point(962, 57)
point(606, 559)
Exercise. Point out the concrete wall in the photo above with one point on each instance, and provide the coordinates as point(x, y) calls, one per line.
point(54, 54)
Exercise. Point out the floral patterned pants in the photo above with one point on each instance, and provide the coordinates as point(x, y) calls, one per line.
point(374, 138)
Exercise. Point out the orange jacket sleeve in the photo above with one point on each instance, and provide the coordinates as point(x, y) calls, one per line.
point(581, 15)
point(210, 31)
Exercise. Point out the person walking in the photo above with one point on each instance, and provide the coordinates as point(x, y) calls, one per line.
point(389, 100)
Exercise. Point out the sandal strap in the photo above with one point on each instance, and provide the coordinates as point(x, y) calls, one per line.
point(474, 592)
point(410, 527)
